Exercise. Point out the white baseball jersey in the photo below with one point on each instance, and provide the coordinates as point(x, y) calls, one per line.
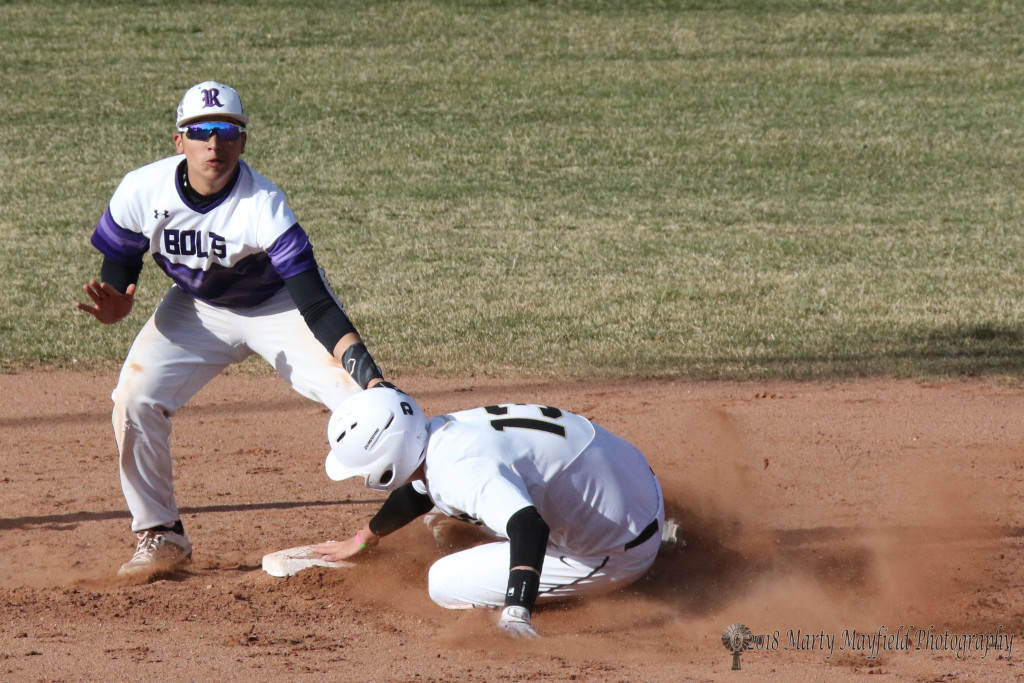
point(233, 253)
point(228, 261)
point(485, 464)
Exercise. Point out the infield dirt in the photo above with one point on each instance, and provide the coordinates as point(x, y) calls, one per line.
point(822, 516)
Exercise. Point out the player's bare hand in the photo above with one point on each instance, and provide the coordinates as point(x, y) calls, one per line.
point(335, 551)
point(108, 305)
point(515, 621)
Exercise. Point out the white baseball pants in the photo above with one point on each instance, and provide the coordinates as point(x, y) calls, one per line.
point(184, 345)
point(478, 577)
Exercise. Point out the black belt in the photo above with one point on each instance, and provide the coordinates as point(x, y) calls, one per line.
point(648, 531)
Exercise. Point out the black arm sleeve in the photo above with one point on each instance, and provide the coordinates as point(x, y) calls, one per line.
point(319, 309)
point(119, 276)
point(402, 506)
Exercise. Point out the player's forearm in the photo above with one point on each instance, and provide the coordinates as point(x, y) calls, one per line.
point(118, 275)
point(403, 506)
point(321, 311)
point(353, 354)
point(332, 327)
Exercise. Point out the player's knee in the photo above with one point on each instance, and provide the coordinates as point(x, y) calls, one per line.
point(439, 588)
point(450, 587)
point(445, 586)
point(135, 407)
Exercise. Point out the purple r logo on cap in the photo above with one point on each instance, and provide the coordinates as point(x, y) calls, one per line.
point(210, 98)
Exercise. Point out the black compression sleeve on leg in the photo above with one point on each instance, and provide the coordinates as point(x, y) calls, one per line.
point(528, 541)
point(523, 586)
point(403, 505)
point(528, 538)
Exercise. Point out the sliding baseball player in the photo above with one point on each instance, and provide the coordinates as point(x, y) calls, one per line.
point(575, 509)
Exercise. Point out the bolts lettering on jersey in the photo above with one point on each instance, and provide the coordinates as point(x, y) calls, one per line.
point(210, 97)
point(193, 243)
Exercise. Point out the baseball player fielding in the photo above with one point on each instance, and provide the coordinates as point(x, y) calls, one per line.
point(245, 281)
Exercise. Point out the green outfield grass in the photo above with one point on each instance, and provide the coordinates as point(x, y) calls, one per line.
point(731, 189)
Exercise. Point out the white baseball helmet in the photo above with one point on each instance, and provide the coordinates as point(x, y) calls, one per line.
point(210, 99)
point(379, 434)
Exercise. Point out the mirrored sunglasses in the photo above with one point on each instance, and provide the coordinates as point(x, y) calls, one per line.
point(225, 132)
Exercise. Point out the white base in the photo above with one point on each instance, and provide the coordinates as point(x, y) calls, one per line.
point(293, 560)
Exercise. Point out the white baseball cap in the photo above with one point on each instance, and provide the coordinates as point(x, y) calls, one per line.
point(211, 98)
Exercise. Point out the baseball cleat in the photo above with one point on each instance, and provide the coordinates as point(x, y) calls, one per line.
point(157, 551)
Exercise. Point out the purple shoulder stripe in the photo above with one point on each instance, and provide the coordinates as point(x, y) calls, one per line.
point(291, 253)
point(118, 244)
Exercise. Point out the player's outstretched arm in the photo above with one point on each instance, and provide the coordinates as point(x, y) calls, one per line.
point(108, 305)
point(403, 505)
point(331, 326)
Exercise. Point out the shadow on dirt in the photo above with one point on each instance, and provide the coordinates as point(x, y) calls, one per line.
point(68, 521)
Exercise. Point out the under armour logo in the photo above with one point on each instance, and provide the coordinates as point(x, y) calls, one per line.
point(157, 212)
point(210, 97)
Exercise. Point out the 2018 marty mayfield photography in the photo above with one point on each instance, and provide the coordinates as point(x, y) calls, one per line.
point(904, 638)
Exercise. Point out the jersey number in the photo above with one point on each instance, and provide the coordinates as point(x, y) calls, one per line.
point(527, 422)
